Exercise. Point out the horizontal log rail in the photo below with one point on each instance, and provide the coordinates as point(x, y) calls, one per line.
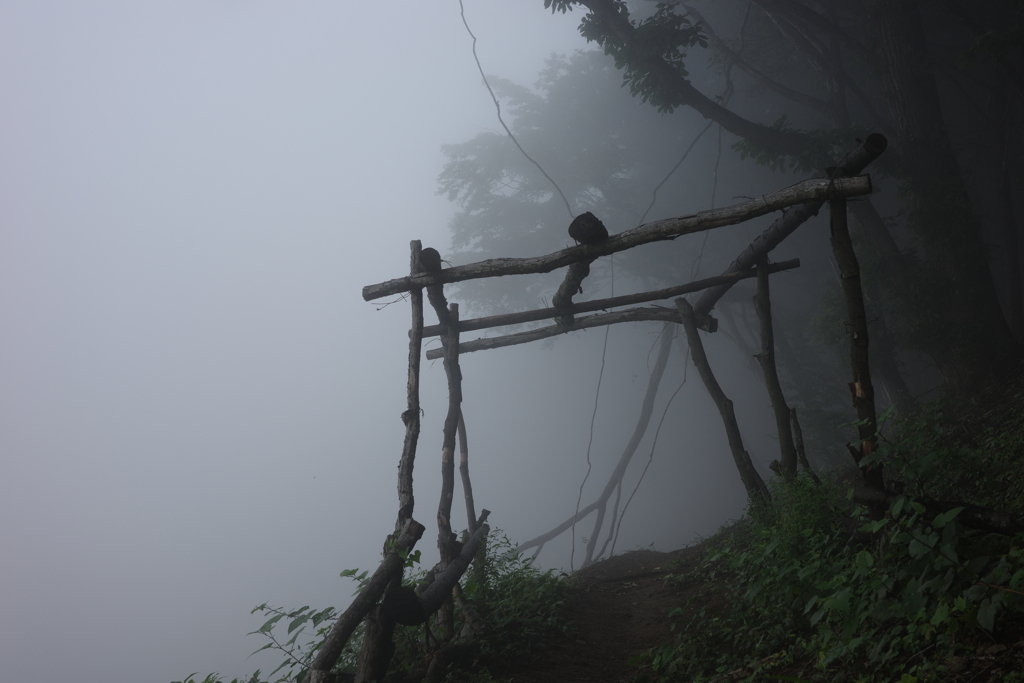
point(630, 315)
point(604, 304)
point(809, 190)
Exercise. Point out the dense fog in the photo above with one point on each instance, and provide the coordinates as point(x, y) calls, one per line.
point(199, 412)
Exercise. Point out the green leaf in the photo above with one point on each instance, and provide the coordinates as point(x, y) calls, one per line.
point(987, 614)
point(266, 628)
point(865, 559)
point(295, 636)
point(943, 519)
point(977, 564)
point(298, 621)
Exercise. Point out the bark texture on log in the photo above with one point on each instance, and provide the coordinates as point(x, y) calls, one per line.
point(757, 491)
point(668, 229)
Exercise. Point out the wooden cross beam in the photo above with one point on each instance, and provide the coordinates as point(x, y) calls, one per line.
point(815, 189)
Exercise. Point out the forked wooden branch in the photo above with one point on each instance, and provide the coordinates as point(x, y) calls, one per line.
point(752, 481)
point(346, 624)
point(814, 189)
point(793, 218)
point(441, 589)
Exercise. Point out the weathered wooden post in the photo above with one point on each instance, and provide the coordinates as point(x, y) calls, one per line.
point(763, 306)
point(861, 388)
point(378, 646)
point(757, 491)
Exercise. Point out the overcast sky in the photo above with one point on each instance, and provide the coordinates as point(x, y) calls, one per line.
point(198, 412)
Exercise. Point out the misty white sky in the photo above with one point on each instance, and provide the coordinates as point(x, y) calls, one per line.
point(198, 412)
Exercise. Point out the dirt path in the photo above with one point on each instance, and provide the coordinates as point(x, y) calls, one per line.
point(619, 607)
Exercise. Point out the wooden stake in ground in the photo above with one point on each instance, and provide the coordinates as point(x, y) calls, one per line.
point(798, 438)
point(467, 485)
point(411, 416)
point(857, 322)
point(752, 481)
point(446, 541)
point(378, 637)
point(763, 306)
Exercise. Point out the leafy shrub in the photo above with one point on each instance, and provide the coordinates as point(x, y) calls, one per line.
point(817, 581)
point(519, 606)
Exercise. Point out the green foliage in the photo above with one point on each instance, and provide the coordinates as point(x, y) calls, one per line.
point(664, 35)
point(817, 580)
point(957, 451)
point(520, 608)
point(606, 151)
point(216, 678)
point(831, 143)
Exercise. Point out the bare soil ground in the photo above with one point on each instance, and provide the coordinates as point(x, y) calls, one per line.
point(619, 607)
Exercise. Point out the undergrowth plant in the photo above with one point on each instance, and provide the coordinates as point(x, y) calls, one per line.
point(815, 583)
point(520, 606)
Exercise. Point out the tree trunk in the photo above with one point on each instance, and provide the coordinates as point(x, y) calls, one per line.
point(1008, 225)
point(378, 645)
point(979, 341)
